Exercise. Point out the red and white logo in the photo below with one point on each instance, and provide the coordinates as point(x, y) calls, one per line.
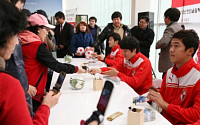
point(133, 72)
point(183, 95)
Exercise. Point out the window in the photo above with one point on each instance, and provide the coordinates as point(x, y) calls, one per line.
point(103, 9)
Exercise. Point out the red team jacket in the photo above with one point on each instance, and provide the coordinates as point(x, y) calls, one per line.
point(181, 89)
point(115, 56)
point(13, 106)
point(137, 73)
point(34, 69)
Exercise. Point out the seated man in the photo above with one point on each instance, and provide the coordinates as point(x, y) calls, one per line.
point(180, 91)
point(135, 69)
point(116, 55)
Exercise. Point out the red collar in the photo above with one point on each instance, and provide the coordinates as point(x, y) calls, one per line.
point(183, 69)
point(135, 58)
point(115, 48)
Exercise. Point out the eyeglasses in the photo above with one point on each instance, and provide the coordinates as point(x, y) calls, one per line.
point(44, 27)
point(142, 22)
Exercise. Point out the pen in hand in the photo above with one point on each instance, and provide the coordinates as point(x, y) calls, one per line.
point(155, 89)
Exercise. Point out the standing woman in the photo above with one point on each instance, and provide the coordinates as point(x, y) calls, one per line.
point(38, 58)
point(13, 105)
point(82, 38)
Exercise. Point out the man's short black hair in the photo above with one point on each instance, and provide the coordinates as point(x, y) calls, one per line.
point(11, 21)
point(145, 18)
point(60, 15)
point(189, 38)
point(26, 12)
point(130, 43)
point(42, 12)
point(93, 18)
point(15, 1)
point(116, 14)
point(116, 37)
point(173, 14)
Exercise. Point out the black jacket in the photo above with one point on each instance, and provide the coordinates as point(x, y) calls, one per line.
point(145, 38)
point(64, 39)
point(107, 31)
point(15, 66)
point(98, 30)
point(45, 57)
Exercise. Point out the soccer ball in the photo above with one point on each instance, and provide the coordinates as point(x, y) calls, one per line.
point(88, 54)
point(87, 49)
point(80, 50)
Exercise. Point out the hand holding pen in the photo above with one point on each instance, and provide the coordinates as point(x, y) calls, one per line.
point(155, 96)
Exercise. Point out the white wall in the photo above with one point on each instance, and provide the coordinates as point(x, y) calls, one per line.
point(141, 6)
point(84, 6)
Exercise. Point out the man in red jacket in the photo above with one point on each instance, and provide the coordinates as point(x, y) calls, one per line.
point(179, 96)
point(116, 55)
point(135, 69)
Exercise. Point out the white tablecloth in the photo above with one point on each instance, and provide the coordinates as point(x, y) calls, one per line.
point(77, 105)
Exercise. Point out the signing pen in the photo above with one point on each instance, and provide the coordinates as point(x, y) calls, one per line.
point(155, 89)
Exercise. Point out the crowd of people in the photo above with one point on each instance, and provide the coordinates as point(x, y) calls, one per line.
point(27, 40)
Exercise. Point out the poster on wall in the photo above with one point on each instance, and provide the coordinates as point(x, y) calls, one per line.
point(70, 16)
point(190, 10)
point(80, 18)
point(49, 6)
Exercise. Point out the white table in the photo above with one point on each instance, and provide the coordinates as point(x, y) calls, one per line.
point(77, 105)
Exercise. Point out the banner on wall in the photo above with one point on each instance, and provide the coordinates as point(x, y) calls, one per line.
point(71, 16)
point(190, 10)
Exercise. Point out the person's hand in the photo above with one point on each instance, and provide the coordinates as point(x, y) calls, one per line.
point(112, 72)
point(155, 88)
point(157, 98)
point(81, 70)
point(52, 32)
point(77, 54)
point(93, 123)
point(93, 71)
point(32, 90)
point(50, 99)
point(100, 57)
point(91, 49)
point(94, 54)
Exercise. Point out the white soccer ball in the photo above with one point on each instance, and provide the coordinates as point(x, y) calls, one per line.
point(87, 49)
point(88, 54)
point(80, 50)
